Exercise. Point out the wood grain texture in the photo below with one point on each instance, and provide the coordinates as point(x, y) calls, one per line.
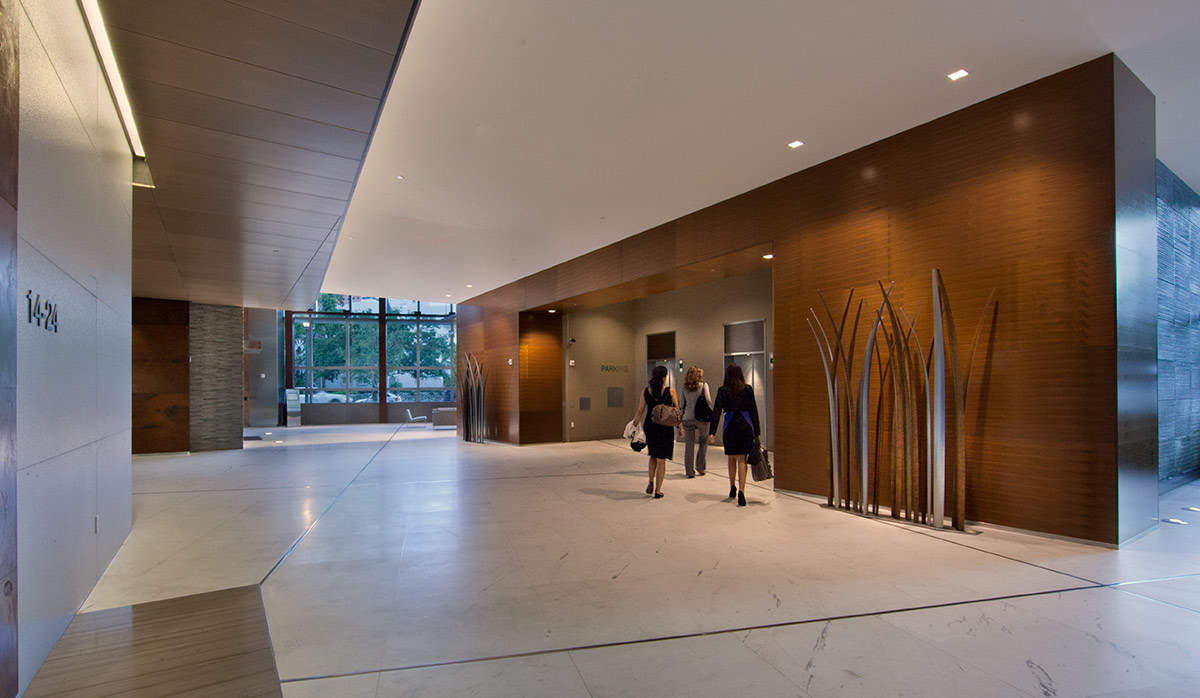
point(1015, 193)
point(161, 376)
point(541, 385)
point(255, 117)
point(214, 644)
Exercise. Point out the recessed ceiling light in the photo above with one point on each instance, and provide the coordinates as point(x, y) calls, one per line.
point(274, 251)
point(552, 310)
point(470, 285)
point(958, 74)
point(399, 176)
point(447, 295)
point(768, 256)
point(795, 144)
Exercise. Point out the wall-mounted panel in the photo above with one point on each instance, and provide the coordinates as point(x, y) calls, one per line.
point(161, 376)
point(215, 377)
point(1178, 329)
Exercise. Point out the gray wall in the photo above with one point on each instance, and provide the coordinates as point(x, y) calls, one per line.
point(698, 316)
point(1178, 328)
point(264, 384)
point(215, 343)
point(74, 396)
point(616, 336)
point(604, 359)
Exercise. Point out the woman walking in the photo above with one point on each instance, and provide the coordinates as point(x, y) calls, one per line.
point(660, 439)
point(735, 401)
point(697, 408)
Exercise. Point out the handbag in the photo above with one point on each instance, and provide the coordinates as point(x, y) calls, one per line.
point(703, 410)
point(760, 462)
point(666, 415)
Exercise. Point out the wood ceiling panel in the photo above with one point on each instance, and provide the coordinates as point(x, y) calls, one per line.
point(259, 39)
point(182, 106)
point(211, 142)
point(170, 161)
point(255, 117)
point(229, 228)
point(189, 202)
point(223, 189)
point(373, 23)
point(166, 63)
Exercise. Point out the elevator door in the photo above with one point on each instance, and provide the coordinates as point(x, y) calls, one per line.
point(745, 345)
point(660, 351)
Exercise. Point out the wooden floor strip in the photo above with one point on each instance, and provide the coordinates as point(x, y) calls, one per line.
point(214, 644)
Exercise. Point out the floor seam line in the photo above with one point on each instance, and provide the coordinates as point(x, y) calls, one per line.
point(336, 497)
point(708, 633)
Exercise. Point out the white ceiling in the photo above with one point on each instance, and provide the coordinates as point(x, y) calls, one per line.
point(529, 132)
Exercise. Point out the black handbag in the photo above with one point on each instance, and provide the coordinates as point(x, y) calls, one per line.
point(703, 410)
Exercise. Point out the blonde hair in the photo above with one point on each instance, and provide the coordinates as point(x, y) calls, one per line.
point(695, 374)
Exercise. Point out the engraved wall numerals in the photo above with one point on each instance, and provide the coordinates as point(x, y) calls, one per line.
point(43, 313)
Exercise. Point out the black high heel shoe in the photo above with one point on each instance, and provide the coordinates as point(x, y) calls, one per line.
point(650, 488)
point(733, 491)
point(741, 499)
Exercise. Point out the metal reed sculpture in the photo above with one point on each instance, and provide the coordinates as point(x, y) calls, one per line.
point(471, 395)
point(915, 381)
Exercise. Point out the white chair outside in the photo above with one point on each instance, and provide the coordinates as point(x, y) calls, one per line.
point(420, 421)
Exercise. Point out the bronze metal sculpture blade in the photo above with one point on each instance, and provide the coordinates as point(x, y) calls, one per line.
point(928, 414)
point(884, 374)
point(975, 343)
point(834, 440)
point(843, 358)
point(900, 412)
point(864, 394)
point(937, 483)
point(960, 404)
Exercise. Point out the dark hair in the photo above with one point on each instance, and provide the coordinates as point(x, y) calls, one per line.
point(734, 380)
point(657, 377)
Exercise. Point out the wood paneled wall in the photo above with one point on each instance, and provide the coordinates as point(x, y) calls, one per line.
point(161, 404)
point(1016, 193)
point(541, 380)
point(9, 138)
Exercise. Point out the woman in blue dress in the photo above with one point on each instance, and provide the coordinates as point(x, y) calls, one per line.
point(735, 402)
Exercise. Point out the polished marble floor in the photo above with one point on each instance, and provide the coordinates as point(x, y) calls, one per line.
point(404, 562)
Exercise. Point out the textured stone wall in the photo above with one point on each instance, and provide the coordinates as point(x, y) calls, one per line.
point(1178, 327)
point(215, 342)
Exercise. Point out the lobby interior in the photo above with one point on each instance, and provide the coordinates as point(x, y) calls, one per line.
point(176, 538)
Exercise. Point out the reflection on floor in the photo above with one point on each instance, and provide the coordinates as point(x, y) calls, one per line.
point(404, 563)
point(213, 644)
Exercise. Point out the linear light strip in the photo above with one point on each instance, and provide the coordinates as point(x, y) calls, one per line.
point(95, 25)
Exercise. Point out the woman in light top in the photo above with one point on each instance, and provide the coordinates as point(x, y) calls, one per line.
point(695, 446)
point(735, 400)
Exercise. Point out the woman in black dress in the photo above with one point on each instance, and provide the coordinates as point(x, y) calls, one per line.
point(660, 440)
point(735, 401)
